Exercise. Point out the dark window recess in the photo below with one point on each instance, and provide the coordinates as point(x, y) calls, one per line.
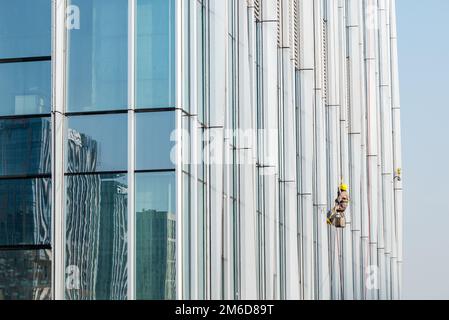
point(25, 212)
point(25, 146)
point(96, 236)
point(25, 274)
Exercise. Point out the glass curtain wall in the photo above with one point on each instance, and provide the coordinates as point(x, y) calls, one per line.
point(98, 57)
point(155, 207)
point(155, 180)
point(25, 150)
point(96, 152)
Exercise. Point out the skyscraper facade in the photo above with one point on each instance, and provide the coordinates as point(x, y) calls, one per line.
point(192, 149)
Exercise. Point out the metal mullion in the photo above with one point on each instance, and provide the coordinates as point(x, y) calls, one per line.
point(156, 171)
point(94, 173)
point(150, 110)
point(96, 113)
point(59, 38)
point(194, 107)
point(131, 147)
point(25, 247)
point(25, 116)
point(25, 59)
point(178, 115)
point(26, 176)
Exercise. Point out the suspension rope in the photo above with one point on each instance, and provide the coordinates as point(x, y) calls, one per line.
point(339, 260)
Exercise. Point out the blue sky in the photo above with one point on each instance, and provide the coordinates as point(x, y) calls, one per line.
point(423, 28)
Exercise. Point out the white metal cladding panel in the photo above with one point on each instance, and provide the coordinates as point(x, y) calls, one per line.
point(321, 275)
point(218, 61)
point(305, 22)
point(347, 282)
point(386, 148)
point(288, 175)
point(245, 147)
point(269, 11)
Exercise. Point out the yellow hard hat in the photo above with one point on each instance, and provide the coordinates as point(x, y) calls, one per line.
point(344, 187)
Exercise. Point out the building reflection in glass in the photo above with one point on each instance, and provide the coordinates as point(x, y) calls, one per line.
point(25, 274)
point(25, 212)
point(96, 226)
point(25, 146)
point(25, 208)
point(155, 236)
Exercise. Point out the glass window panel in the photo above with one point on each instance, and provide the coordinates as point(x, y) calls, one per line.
point(97, 143)
point(25, 28)
point(98, 57)
point(153, 131)
point(96, 237)
point(155, 54)
point(25, 88)
point(155, 236)
point(25, 212)
point(25, 146)
point(25, 274)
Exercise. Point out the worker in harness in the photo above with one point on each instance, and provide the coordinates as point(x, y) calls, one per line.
point(336, 216)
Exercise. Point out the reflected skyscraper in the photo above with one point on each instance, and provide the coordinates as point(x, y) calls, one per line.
point(96, 224)
point(156, 250)
point(25, 204)
point(25, 208)
point(25, 146)
point(25, 274)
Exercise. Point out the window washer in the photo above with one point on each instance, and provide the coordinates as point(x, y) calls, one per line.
point(398, 175)
point(336, 216)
